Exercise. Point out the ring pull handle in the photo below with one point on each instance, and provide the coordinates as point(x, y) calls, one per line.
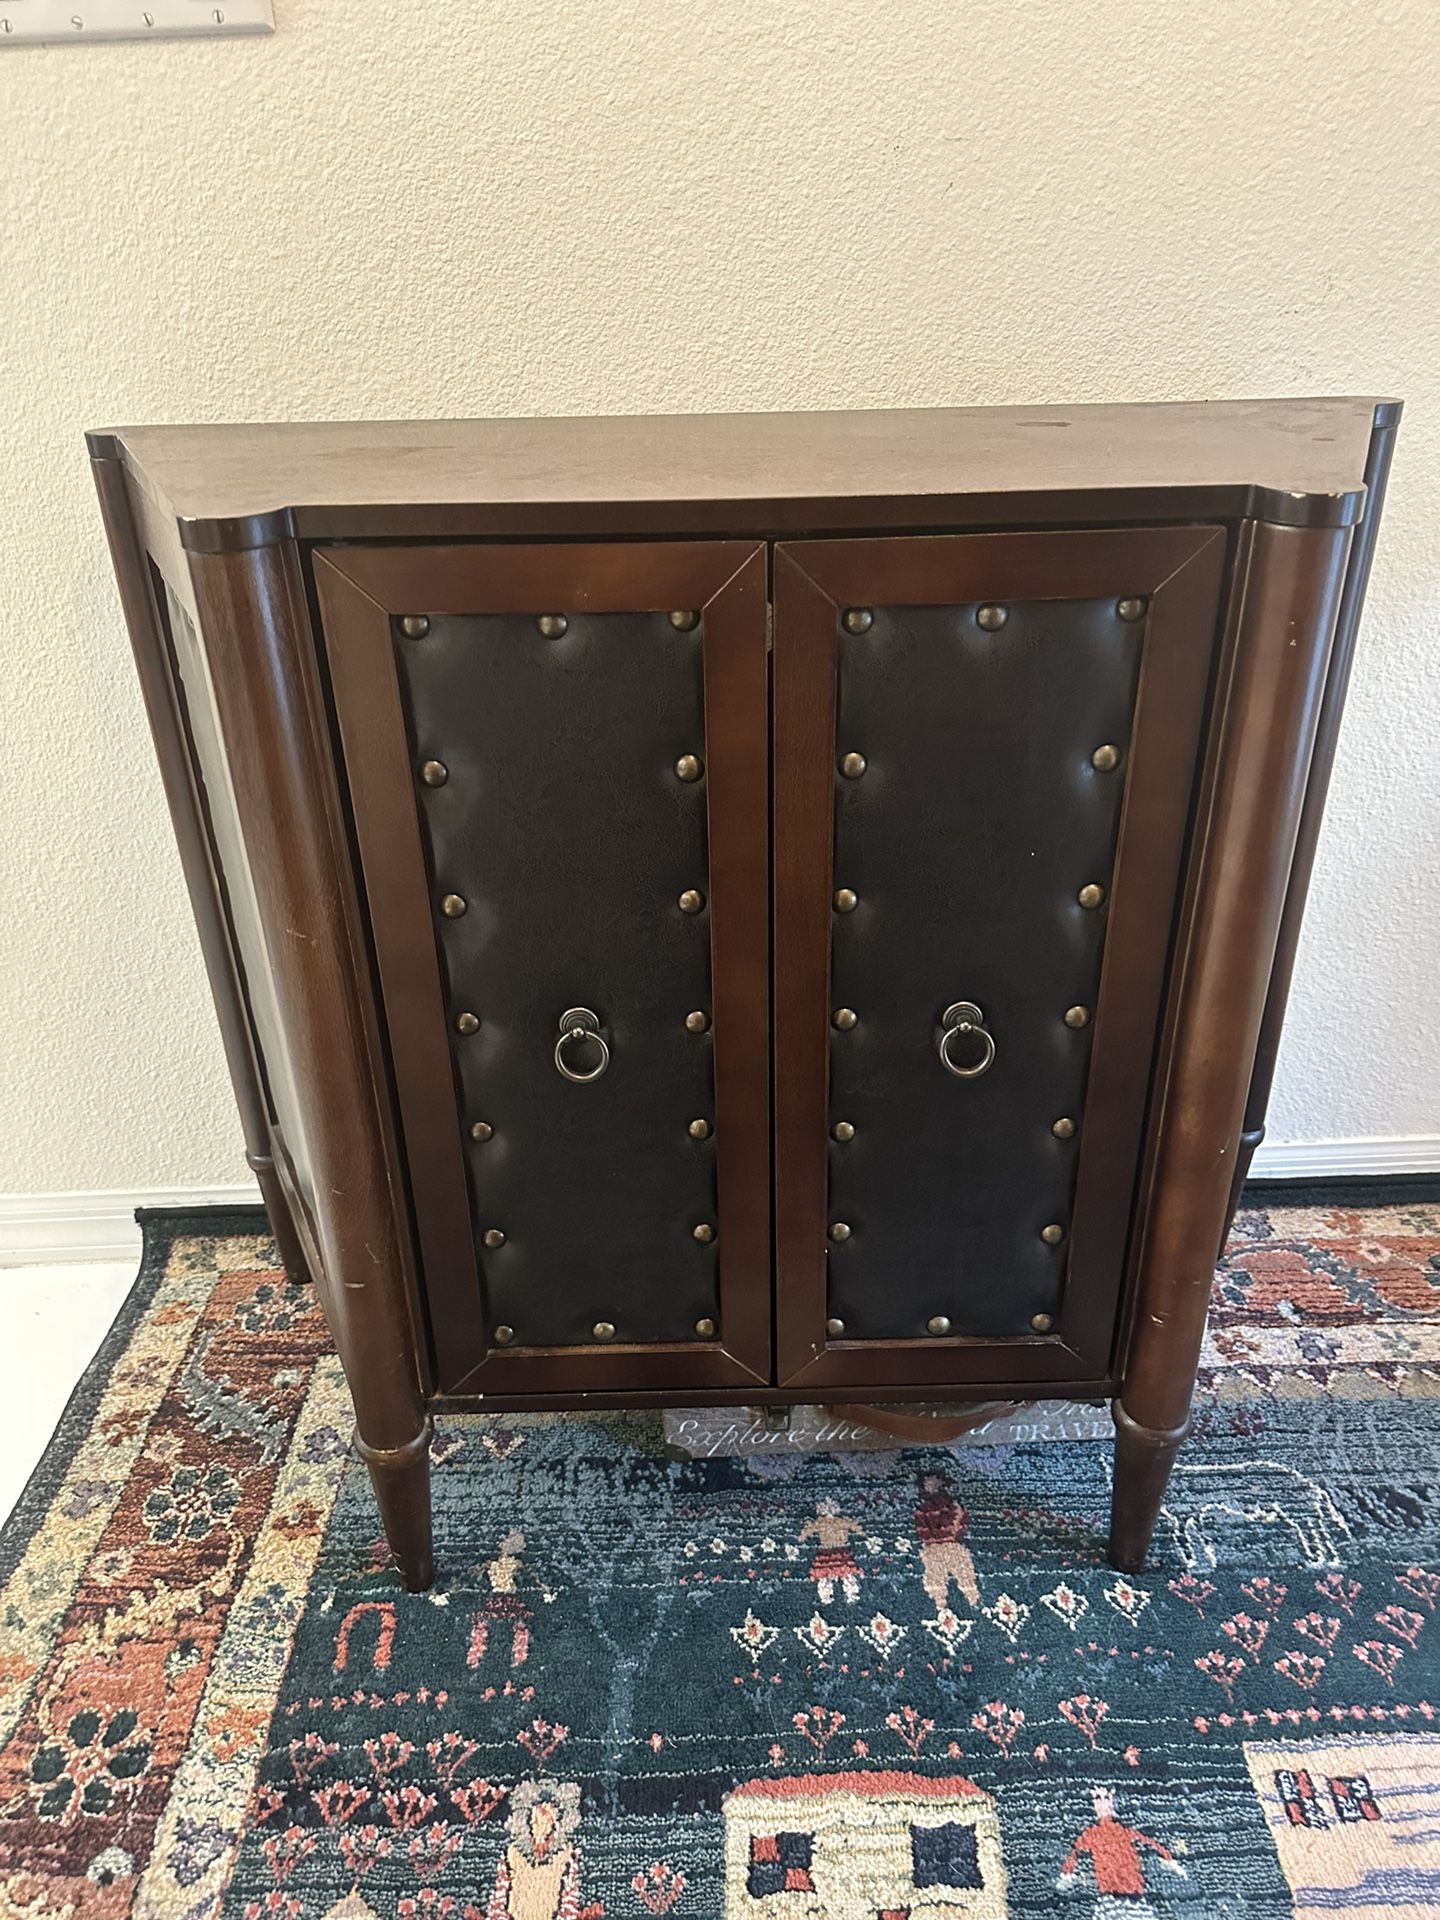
point(579, 1025)
point(965, 1022)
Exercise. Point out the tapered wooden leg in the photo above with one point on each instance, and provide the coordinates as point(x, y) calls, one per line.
point(282, 1226)
point(1143, 1459)
point(401, 1479)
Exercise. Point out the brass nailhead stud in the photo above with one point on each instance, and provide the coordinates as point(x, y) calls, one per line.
point(494, 1237)
point(705, 1328)
point(857, 620)
point(842, 1131)
point(834, 1328)
point(1064, 1128)
point(699, 1129)
point(452, 906)
point(552, 625)
point(846, 900)
point(938, 1325)
point(691, 901)
point(839, 1231)
point(697, 1022)
point(603, 1330)
point(503, 1336)
point(434, 773)
point(1091, 895)
point(1105, 759)
point(1041, 1322)
point(704, 1233)
point(481, 1130)
point(414, 626)
point(844, 1018)
point(1077, 1016)
point(467, 1023)
point(688, 767)
point(685, 622)
point(1052, 1235)
point(1131, 609)
point(991, 618)
point(853, 765)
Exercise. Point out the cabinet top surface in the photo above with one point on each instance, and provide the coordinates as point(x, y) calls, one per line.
point(1301, 461)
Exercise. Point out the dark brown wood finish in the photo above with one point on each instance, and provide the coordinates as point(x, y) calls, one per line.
point(1317, 785)
point(1268, 707)
point(1179, 570)
point(252, 610)
point(319, 937)
point(154, 664)
point(765, 474)
point(360, 591)
point(1024, 1386)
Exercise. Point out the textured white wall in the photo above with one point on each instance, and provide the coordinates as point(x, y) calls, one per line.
point(642, 205)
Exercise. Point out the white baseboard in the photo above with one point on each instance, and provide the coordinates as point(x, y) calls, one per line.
point(37, 1228)
point(78, 1228)
point(1346, 1159)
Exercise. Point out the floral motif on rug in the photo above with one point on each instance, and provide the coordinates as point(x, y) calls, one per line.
point(1317, 1300)
point(882, 1685)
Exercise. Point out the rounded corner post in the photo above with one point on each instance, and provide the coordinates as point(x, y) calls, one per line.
point(236, 534)
point(256, 627)
point(1272, 685)
point(1317, 784)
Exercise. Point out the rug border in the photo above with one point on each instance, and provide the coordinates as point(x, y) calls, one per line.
point(160, 1227)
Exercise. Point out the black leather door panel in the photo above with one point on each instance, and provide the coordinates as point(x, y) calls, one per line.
point(979, 818)
point(564, 829)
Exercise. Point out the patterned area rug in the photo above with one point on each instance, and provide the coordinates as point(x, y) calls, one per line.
point(875, 1686)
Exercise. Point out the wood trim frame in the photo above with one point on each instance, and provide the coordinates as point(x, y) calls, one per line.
point(360, 590)
point(1180, 570)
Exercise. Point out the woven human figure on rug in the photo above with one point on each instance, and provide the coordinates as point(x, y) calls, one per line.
point(855, 1686)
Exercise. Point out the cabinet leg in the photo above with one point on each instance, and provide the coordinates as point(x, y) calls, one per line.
point(282, 1227)
point(1143, 1459)
point(400, 1477)
point(1250, 1141)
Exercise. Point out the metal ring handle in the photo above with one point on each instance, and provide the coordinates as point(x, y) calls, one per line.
point(963, 1019)
point(578, 1023)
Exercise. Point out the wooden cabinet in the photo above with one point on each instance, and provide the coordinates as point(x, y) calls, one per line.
point(752, 909)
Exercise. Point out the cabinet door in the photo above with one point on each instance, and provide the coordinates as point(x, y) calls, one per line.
point(557, 761)
point(985, 750)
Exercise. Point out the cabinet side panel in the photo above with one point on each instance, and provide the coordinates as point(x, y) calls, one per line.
point(215, 796)
point(148, 595)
